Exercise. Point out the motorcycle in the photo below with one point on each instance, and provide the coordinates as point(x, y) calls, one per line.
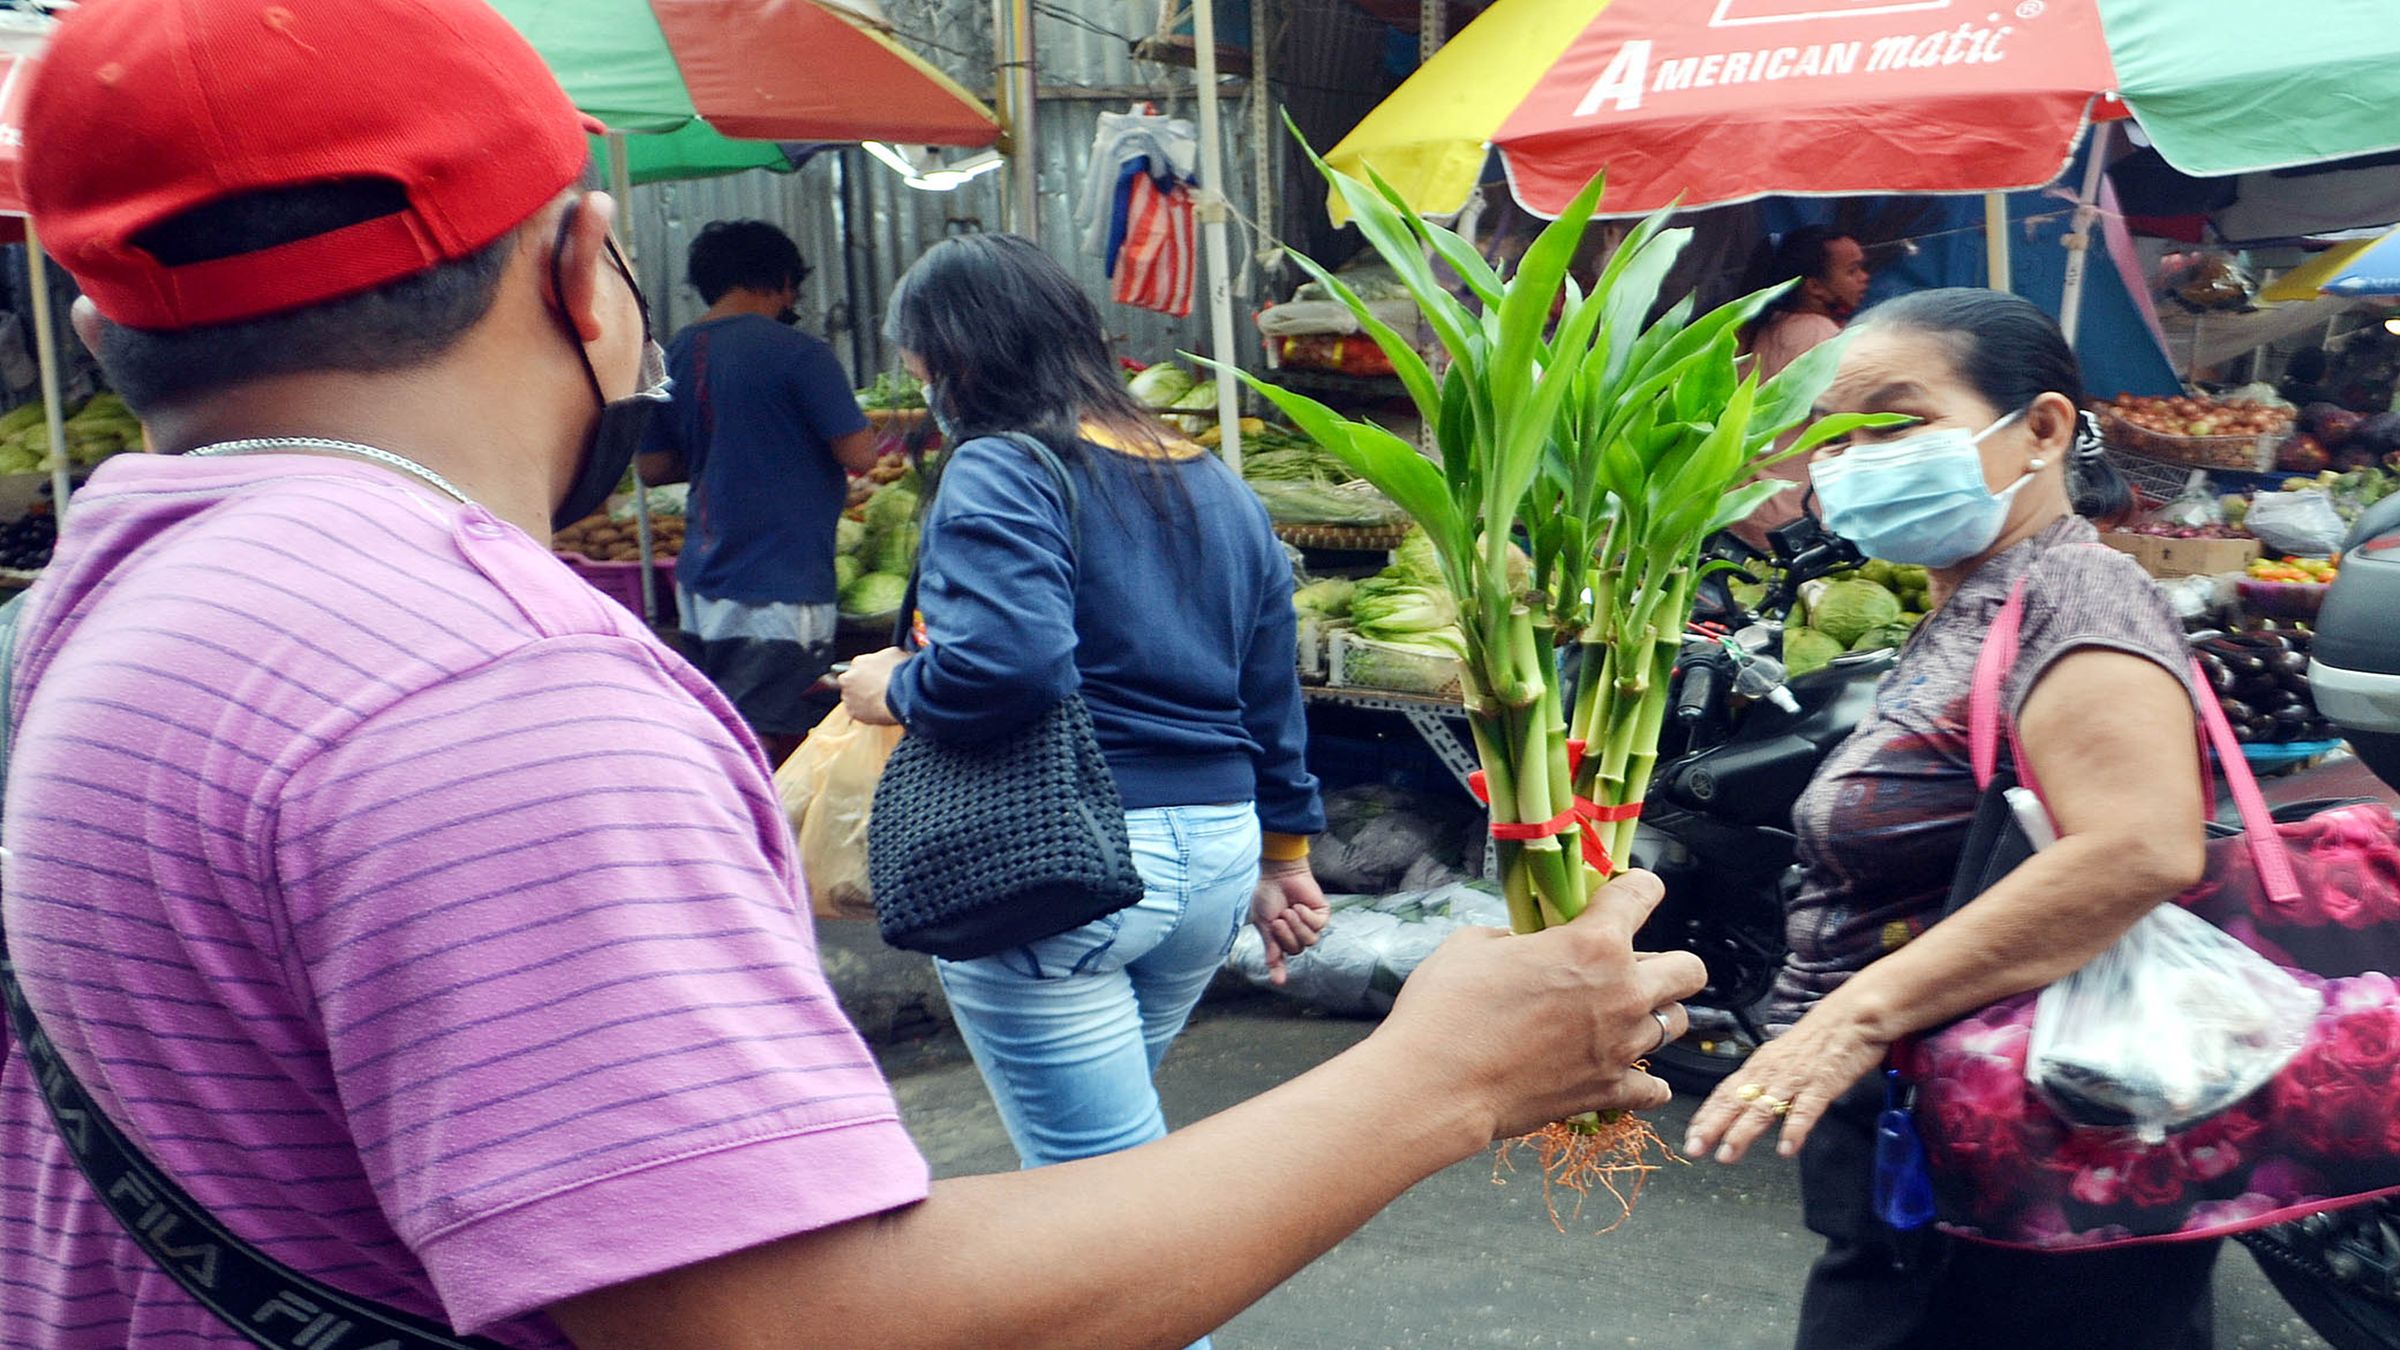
point(2341, 1271)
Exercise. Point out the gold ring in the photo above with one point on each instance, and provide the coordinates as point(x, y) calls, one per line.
point(1750, 1092)
point(1774, 1106)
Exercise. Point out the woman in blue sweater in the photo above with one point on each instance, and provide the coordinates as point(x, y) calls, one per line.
point(1167, 603)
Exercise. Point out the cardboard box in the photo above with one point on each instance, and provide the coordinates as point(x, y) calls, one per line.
point(2162, 557)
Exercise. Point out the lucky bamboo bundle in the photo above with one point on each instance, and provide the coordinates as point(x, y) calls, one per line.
point(1612, 444)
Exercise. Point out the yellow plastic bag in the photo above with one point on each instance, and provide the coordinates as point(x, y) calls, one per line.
point(828, 786)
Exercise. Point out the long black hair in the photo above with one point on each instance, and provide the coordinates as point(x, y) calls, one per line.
point(1803, 254)
point(2012, 353)
point(1012, 344)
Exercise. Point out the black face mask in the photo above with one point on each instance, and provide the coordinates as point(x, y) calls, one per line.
point(618, 432)
point(788, 317)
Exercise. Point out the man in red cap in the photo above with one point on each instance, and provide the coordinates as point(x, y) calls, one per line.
point(427, 932)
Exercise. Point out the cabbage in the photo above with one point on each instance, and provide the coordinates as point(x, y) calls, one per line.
point(896, 551)
point(1885, 637)
point(849, 536)
point(1806, 649)
point(846, 569)
point(1202, 398)
point(890, 508)
point(1403, 613)
point(1328, 599)
point(875, 594)
point(1852, 606)
point(1416, 560)
point(1161, 385)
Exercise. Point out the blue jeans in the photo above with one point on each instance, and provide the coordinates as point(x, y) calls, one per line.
point(1068, 1030)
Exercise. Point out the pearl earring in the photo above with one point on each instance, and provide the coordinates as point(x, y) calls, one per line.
point(2036, 465)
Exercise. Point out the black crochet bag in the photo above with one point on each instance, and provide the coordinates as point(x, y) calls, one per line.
point(974, 848)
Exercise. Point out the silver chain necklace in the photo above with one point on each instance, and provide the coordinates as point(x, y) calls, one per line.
point(267, 445)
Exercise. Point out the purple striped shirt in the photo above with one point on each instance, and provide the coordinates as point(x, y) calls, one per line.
point(412, 906)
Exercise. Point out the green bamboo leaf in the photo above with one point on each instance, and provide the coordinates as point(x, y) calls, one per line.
point(1787, 399)
point(1738, 504)
point(1519, 456)
point(1826, 430)
point(1383, 459)
point(1387, 229)
point(1632, 289)
point(1461, 256)
point(1700, 336)
point(1406, 361)
point(1525, 309)
point(1455, 432)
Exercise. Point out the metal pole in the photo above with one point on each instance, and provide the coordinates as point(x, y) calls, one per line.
point(1211, 210)
point(1995, 241)
point(1023, 115)
point(45, 350)
point(620, 185)
point(2079, 239)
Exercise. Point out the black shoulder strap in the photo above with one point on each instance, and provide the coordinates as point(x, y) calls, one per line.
point(904, 631)
point(271, 1305)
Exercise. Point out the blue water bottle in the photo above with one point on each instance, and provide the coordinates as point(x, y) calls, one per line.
point(1903, 1186)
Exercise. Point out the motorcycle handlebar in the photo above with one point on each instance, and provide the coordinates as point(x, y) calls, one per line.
point(1699, 692)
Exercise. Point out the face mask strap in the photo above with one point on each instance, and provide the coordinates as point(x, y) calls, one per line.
point(658, 391)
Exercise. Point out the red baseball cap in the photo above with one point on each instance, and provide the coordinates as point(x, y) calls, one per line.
point(142, 110)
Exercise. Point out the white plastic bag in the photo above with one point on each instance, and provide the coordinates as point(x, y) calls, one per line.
point(1372, 946)
point(2173, 1024)
point(2304, 523)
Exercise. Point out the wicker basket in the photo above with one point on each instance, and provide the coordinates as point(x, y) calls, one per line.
point(2246, 454)
point(1344, 538)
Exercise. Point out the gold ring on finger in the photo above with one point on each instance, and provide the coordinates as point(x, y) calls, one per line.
point(1774, 1106)
point(1750, 1092)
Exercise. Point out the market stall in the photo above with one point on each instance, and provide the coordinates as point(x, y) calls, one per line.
point(692, 88)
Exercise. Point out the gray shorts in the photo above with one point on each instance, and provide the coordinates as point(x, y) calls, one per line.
point(765, 658)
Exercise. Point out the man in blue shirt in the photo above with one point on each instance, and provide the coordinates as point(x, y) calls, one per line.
point(765, 427)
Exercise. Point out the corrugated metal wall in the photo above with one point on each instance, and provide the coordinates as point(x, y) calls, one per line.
point(1085, 66)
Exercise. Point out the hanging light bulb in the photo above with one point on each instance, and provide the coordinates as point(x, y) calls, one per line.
point(918, 168)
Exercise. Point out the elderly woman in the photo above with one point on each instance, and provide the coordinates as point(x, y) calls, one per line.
point(1984, 486)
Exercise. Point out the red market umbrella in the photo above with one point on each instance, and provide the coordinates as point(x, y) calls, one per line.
point(1715, 101)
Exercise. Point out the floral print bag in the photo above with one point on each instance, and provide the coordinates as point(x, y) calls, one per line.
point(2319, 897)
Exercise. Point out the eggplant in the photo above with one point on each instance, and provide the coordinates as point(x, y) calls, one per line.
point(2246, 663)
point(2220, 677)
point(2290, 663)
point(2243, 735)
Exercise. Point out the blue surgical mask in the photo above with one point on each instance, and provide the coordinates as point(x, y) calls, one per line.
point(1918, 500)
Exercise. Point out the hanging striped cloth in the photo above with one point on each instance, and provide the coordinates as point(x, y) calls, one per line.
point(1157, 263)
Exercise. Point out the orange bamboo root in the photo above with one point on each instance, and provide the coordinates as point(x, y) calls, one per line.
point(1613, 1155)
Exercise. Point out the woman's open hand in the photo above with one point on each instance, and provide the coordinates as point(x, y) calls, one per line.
point(1789, 1081)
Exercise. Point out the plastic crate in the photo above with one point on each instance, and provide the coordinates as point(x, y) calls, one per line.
point(622, 581)
point(1312, 649)
point(1392, 669)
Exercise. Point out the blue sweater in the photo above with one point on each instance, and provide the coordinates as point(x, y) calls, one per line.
point(1177, 629)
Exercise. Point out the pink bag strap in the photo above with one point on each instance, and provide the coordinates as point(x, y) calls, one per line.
point(1986, 716)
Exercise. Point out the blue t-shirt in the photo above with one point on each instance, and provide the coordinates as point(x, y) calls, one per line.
point(1175, 625)
point(757, 409)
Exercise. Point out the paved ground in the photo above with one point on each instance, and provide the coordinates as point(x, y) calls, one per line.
point(1712, 1260)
